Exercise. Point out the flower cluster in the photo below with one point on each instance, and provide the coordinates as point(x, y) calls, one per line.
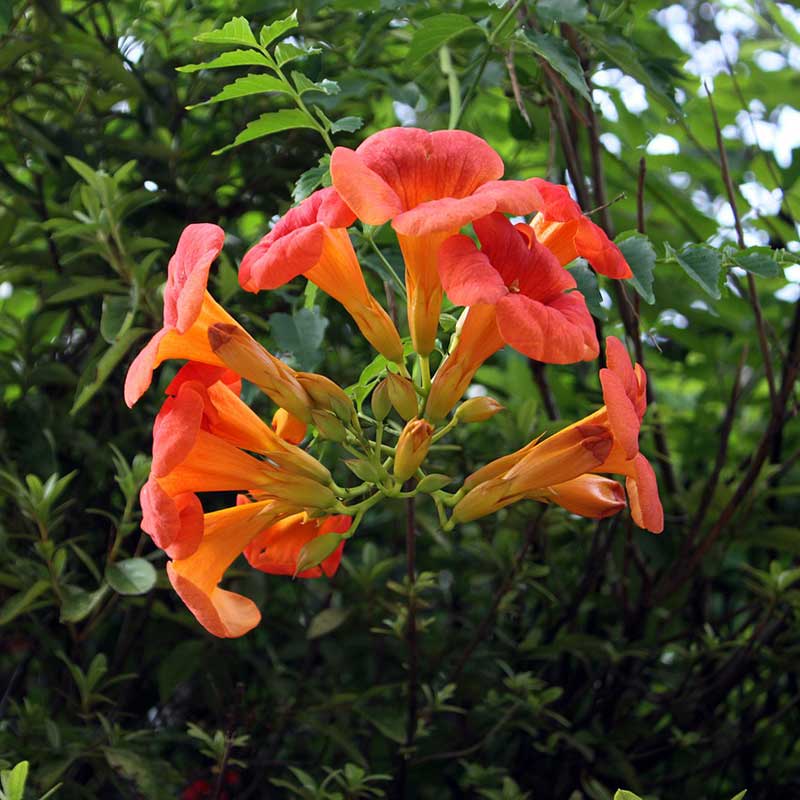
point(289, 516)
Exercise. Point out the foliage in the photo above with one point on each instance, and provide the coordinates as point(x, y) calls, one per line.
point(554, 657)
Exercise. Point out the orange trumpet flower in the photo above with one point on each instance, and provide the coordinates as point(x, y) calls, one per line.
point(429, 185)
point(312, 240)
point(562, 227)
point(517, 294)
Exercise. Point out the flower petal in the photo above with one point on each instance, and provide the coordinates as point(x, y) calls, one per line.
point(646, 508)
point(559, 333)
point(176, 428)
point(625, 422)
point(592, 243)
point(467, 275)
point(188, 270)
point(513, 197)
point(589, 496)
point(174, 523)
point(447, 214)
point(272, 263)
point(364, 191)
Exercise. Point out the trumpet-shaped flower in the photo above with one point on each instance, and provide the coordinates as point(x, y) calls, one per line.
point(191, 314)
point(312, 240)
point(429, 185)
point(568, 233)
point(518, 294)
point(590, 496)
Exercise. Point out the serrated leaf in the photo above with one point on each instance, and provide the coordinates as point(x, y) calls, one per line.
point(243, 87)
point(559, 56)
point(327, 621)
point(702, 264)
point(286, 52)
point(133, 576)
point(235, 31)
point(301, 335)
point(233, 58)
point(641, 257)
point(310, 180)
point(588, 287)
point(758, 260)
point(349, 124)
point(272, 122)
point(273, 31)
point(436, 31)
point(305, 84)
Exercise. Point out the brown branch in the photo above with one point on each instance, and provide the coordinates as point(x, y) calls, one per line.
point(539, 371)
point(751, 283)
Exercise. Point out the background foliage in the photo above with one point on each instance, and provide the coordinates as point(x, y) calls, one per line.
point(555, 657)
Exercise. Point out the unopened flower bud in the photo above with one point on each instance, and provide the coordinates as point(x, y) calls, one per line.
point(478, 409)
point(327, 396)
point(328, 425)
point(288, 427)
point(246, 357)
point(402, 395)
point(412, 447)
point(380, 401)
point(485, 499)
point(302, 493)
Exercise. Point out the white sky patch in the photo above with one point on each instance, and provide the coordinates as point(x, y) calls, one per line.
point(606, 104)
point(792, 273)
point(121, 107)
point(675, 19)
point(669, 316)
point(680, 180)
point(770, 61)
point(476, 390)
point(789, 294)
point(732, 20)
point(711, 58)
point(793, 57)
point(611, 143)
point(793, 246)
point(780, 134)
point(605, 299)
point(724, 214)
point(151, 186)
point(405, 113)
point(765, 202)
point(131, 48)
point(699, 305)
point(6, 290)
point(631, 92)
point(792, 14)
point(663, 145)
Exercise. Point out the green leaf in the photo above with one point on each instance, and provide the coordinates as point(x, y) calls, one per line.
point(740, 795)
point(701, 263)
point(559, 56)
point(641, 257)
point(316, 551)
point(235, 31)
point(132, 576)
point(364, 470)
point(14, 781)
point(588, 287)
point(94, 378)
point(116, 317)
point(78, 603)
point(349, 124)
point(84, 170)
point(233, 58)
point(758, 260)
point(83, 287)
point(155, 779)
point(178, 666)
point(310, 180)
point(573, 12)
point(327, 621)
point(266, 124)
point(20, 603)
point(273, 31)
point(286, 52)
point(624, 794)
point(300, 334)
point(243, 87)
point(304, 84)
point(436, 31)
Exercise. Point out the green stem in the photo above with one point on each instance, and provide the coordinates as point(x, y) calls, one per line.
point(425, 374)
point(390, 269)
point(484, 61)
point(445, 430)
point(453, 85)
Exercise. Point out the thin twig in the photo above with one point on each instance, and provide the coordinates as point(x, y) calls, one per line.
point(751, 284)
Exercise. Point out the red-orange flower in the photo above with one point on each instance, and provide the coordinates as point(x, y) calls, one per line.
point(554, 470)
point(312, 240)
point(429, 185)
point(518, 294)
point(190, 312)
point(562, 227)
